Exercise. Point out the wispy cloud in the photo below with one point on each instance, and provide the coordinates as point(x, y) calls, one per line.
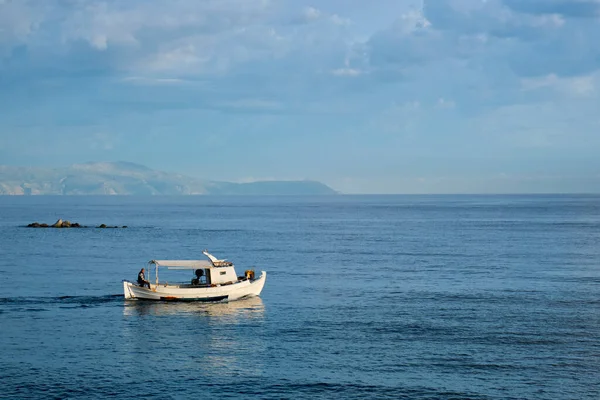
point(585, 85)
point(346, 72)
point(102, 141)
point(253, 104)
point(141, 80)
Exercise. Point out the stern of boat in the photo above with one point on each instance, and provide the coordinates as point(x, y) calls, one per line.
point(127, 291)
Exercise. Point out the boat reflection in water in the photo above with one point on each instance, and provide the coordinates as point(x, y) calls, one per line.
point(206, 339)
point(252, 307)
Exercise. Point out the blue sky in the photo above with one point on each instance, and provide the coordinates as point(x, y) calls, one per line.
point(404, 96)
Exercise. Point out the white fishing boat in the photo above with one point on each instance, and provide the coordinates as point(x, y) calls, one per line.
point(213, 280)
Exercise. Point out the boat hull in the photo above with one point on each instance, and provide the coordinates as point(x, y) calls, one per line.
point(164, 292)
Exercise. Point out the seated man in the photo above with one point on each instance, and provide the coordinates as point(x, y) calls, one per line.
point(196, 280)
point(142, 279)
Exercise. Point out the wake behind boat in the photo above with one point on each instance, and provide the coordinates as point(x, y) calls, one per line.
point(214, 280)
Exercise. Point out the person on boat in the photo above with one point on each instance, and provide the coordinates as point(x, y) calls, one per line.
point(142, 279)
point(196, 280)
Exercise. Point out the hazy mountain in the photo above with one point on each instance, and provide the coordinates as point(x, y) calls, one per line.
point(124, 178)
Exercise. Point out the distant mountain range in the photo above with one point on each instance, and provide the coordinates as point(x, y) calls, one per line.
point(124, 178)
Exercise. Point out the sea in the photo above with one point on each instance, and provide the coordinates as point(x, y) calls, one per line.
point(367, 297)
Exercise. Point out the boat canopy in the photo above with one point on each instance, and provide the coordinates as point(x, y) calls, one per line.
point(182, 264)
point(193, 264)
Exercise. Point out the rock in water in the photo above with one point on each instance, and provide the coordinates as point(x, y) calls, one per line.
point(66, 224)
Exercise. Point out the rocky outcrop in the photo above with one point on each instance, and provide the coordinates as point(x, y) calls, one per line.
point(58, 224)
point(66, 224)
point(102, 226)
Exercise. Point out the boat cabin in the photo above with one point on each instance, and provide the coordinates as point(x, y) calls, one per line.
point(211, 272)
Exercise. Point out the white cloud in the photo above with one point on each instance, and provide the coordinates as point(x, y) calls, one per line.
point(253, 104)
point(337, 20)
point(575, 86)
point(445, 103)
point(539, 82)
point(18, 21)
point(346, 72)
point(181, 56)
point(353, 56)
point(215, 35)
point(141, 80)
point(412, 21)
point(312, 14)
point(552, 20)
point(102, 141)
point(99, 42)
point(583, 85)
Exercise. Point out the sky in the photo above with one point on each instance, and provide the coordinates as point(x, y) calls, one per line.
point(379, 96)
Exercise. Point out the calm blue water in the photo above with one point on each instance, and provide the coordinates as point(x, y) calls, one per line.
point(417, 297)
